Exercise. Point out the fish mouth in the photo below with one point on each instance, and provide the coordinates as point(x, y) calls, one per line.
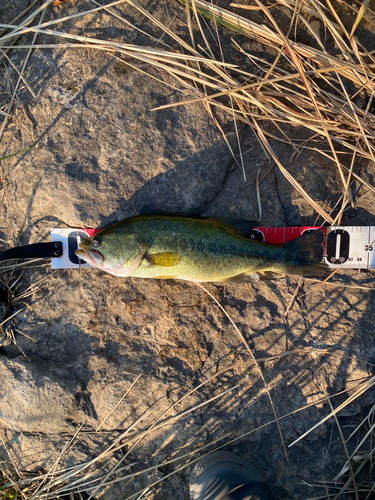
point(92, 257)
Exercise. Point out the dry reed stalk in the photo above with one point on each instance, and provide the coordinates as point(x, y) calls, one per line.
point(288, 90)
point(82, 477)
point(277, 95)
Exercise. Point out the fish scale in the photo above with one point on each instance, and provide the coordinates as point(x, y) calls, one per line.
point(194, 249)
point(211, 251)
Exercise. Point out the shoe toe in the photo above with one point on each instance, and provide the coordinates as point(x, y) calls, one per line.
point(214, 476)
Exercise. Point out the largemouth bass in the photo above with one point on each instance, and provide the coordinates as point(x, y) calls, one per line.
point(193, 249)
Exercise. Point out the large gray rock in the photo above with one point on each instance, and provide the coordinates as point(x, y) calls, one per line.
point(36, 399)
point(102, 154)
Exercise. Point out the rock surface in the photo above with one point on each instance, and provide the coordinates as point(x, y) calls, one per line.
point(101, 155)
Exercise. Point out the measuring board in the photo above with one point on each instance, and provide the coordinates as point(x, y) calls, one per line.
point(347, 247)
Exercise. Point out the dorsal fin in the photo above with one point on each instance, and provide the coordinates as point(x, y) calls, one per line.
point(242, 225)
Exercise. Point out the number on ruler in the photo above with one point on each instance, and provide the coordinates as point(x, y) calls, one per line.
point(318, 251)
point(73, 239)
point(338, 242)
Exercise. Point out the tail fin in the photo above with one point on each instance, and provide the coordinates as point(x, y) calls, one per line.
point(306, 254)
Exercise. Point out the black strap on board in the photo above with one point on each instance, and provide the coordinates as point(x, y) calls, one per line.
point(34, 251)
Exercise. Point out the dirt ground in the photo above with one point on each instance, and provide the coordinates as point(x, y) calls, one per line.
point(100, 155)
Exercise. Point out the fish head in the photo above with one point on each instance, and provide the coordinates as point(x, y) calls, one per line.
point(116, 251)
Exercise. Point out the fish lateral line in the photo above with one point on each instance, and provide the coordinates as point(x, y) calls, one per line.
point(196, 249)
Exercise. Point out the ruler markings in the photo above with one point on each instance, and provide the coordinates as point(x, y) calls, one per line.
point(346, 247)
point(368, 253)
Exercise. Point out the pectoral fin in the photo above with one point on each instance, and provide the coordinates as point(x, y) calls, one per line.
point(168, 259)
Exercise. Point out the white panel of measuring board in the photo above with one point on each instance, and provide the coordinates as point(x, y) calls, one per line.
point(70, 239)
point(350, 247)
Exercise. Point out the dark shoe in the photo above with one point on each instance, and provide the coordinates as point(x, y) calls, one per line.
point(226, 476)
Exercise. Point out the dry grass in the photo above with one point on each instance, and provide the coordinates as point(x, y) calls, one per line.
point(303, 87)
point(98, 474)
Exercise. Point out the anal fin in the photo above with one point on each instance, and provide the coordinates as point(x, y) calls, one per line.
point(242, 278)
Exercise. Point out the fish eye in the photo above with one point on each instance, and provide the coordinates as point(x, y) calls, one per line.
point(96, 243)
